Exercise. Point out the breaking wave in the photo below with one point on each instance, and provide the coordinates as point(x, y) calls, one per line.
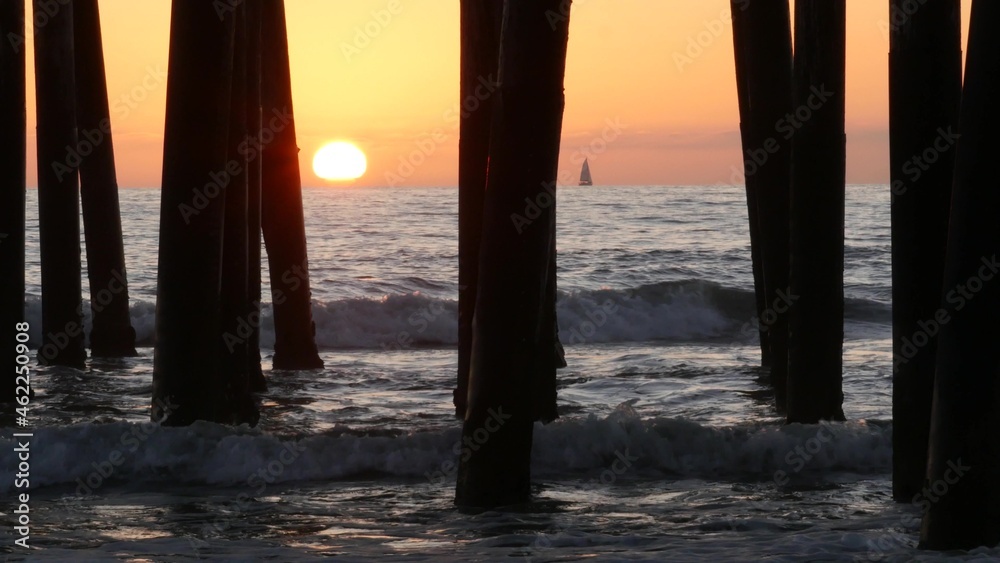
point(679, 311)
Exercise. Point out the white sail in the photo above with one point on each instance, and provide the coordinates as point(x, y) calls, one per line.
point(585, 179)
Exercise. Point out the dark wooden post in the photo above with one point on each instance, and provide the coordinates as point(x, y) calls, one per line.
point(480, 21)
point(552, 355)
point(253, 117)
point(962, 490)
point(236, 318)
point(283, 221)
point(750, 179)
point(111, 334)
point(925, 92)
point(816, 322)
point(13, 181)
point(187, 383)
point(58, 189)
point(509, 320)
point(763, 45)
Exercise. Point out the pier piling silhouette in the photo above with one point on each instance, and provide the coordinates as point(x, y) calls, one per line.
point(13, 184)
point(283, 220)
point(188, 383)
point(111, 334)
point(925, 90)
point(512, 356)
point(236, 312)
point(744, 49)
point(763, 50)
point(255, 375)
point(962, 485)
point(480, 57)
point(816, 274)
point(58, 189)
point(231, 181)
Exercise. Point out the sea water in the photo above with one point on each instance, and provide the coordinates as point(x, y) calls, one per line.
point(667, 448)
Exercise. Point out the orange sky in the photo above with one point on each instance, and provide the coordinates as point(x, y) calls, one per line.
point(393, 92)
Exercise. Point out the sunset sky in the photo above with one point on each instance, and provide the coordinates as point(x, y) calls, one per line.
point(393, 93)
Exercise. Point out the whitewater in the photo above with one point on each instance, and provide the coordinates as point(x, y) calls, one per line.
point(667, 447)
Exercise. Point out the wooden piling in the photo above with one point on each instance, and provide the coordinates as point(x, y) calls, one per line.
point(763, 45)
point(58, 188)
point(750, 180)
point(925, 91)
point(111, 332)
point(253, 117)
point(816, 125)
point(283, 221)
point(494, 468)
point(237, 316)
point(13, 182)
point(961, 494)
point(480, 31)
point(551, 352)
point(187, 384)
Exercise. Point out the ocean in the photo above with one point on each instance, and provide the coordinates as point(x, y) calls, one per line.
point(667, 447)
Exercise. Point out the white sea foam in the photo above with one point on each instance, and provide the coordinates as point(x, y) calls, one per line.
point(206, 453)
point(670, 312)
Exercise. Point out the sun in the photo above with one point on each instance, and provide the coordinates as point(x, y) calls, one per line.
point(340, 160)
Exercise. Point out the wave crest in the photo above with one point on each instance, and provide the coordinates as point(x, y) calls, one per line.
point(678, 311)
point(91, 455)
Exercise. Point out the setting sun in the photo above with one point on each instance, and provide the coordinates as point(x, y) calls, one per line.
point(340, 160)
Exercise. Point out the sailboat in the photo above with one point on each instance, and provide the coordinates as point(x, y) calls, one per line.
point(585, 179)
